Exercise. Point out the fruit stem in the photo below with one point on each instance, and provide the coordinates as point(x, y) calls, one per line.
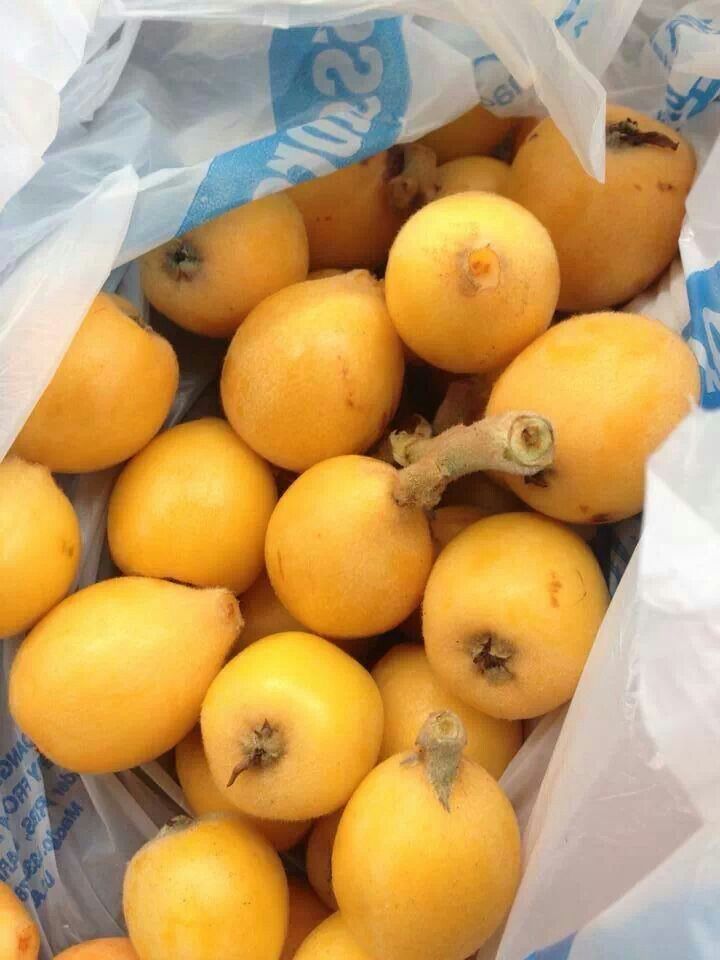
point(261, 748)
point(417, 183)
point(440, 744)
point(627, 133)
point(516, 443)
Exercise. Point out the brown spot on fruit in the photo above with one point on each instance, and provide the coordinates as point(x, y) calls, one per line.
point(67, 548)
point(24, 941)
point(665, 187)
point(280, 565)
point(638, 186)
point(554, 588)
point(584, 508)
point(600, 518)
point(533, 136)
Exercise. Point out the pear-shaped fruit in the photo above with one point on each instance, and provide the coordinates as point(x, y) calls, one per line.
point(115, 674)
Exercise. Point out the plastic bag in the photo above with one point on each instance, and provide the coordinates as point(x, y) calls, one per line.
point(162, 114)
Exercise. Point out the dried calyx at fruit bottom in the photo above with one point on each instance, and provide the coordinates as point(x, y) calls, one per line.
point(371, 543)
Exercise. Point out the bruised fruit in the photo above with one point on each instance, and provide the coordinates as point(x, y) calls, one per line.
point(510, 613)
point(352, 215)
point(203, 795)
point(112, 948)
point(39, 544)
point(291, 725)
point(410, 691)
point(472, 173)
point(306, 913)
point(264, 614)
point(19, 937)
point(206, 889)
point(613, 238)
point(332, 940)
point(318, 857)
point(314, 372)
point(348, 547)
point(427, 855)
point(109, 396)
point(475, 132)
point(614, 386)
point(209, 279)
point(115, 674)
point(193, 506)
point(471, 280)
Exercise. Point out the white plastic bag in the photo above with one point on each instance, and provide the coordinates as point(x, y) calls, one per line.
point(163, 113)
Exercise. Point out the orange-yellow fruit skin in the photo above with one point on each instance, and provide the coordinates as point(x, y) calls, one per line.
point(343, 557)
point(19, 937)
point(614, 238)
point(306, 913)
point(326, 709)
point(244, 256)
point(475, 132)
point(415, 881)
point(204, 796)
point(264, 614)
point(212, 889)
point(410, 692)
point(472, 173)
point(115, 675)
point(314, 372)
point(111, 948)
point(109, 396)
point(318, 857)
point(332, 940)
point(39, 544)
point(349, 217)
point(471, 279)
point(528, 583)
point(193, 506)
point(613, 385)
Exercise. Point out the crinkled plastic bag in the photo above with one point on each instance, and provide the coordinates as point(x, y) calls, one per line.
point(125, 122)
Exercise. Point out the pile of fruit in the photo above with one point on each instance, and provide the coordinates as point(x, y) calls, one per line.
point(347, 665)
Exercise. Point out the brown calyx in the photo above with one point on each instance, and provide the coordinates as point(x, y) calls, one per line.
point(627, 133)
point(440, 744)
point(412, 176)
point(492, 655)
point(181, 259)
point(518, 443)
point(261, 748)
